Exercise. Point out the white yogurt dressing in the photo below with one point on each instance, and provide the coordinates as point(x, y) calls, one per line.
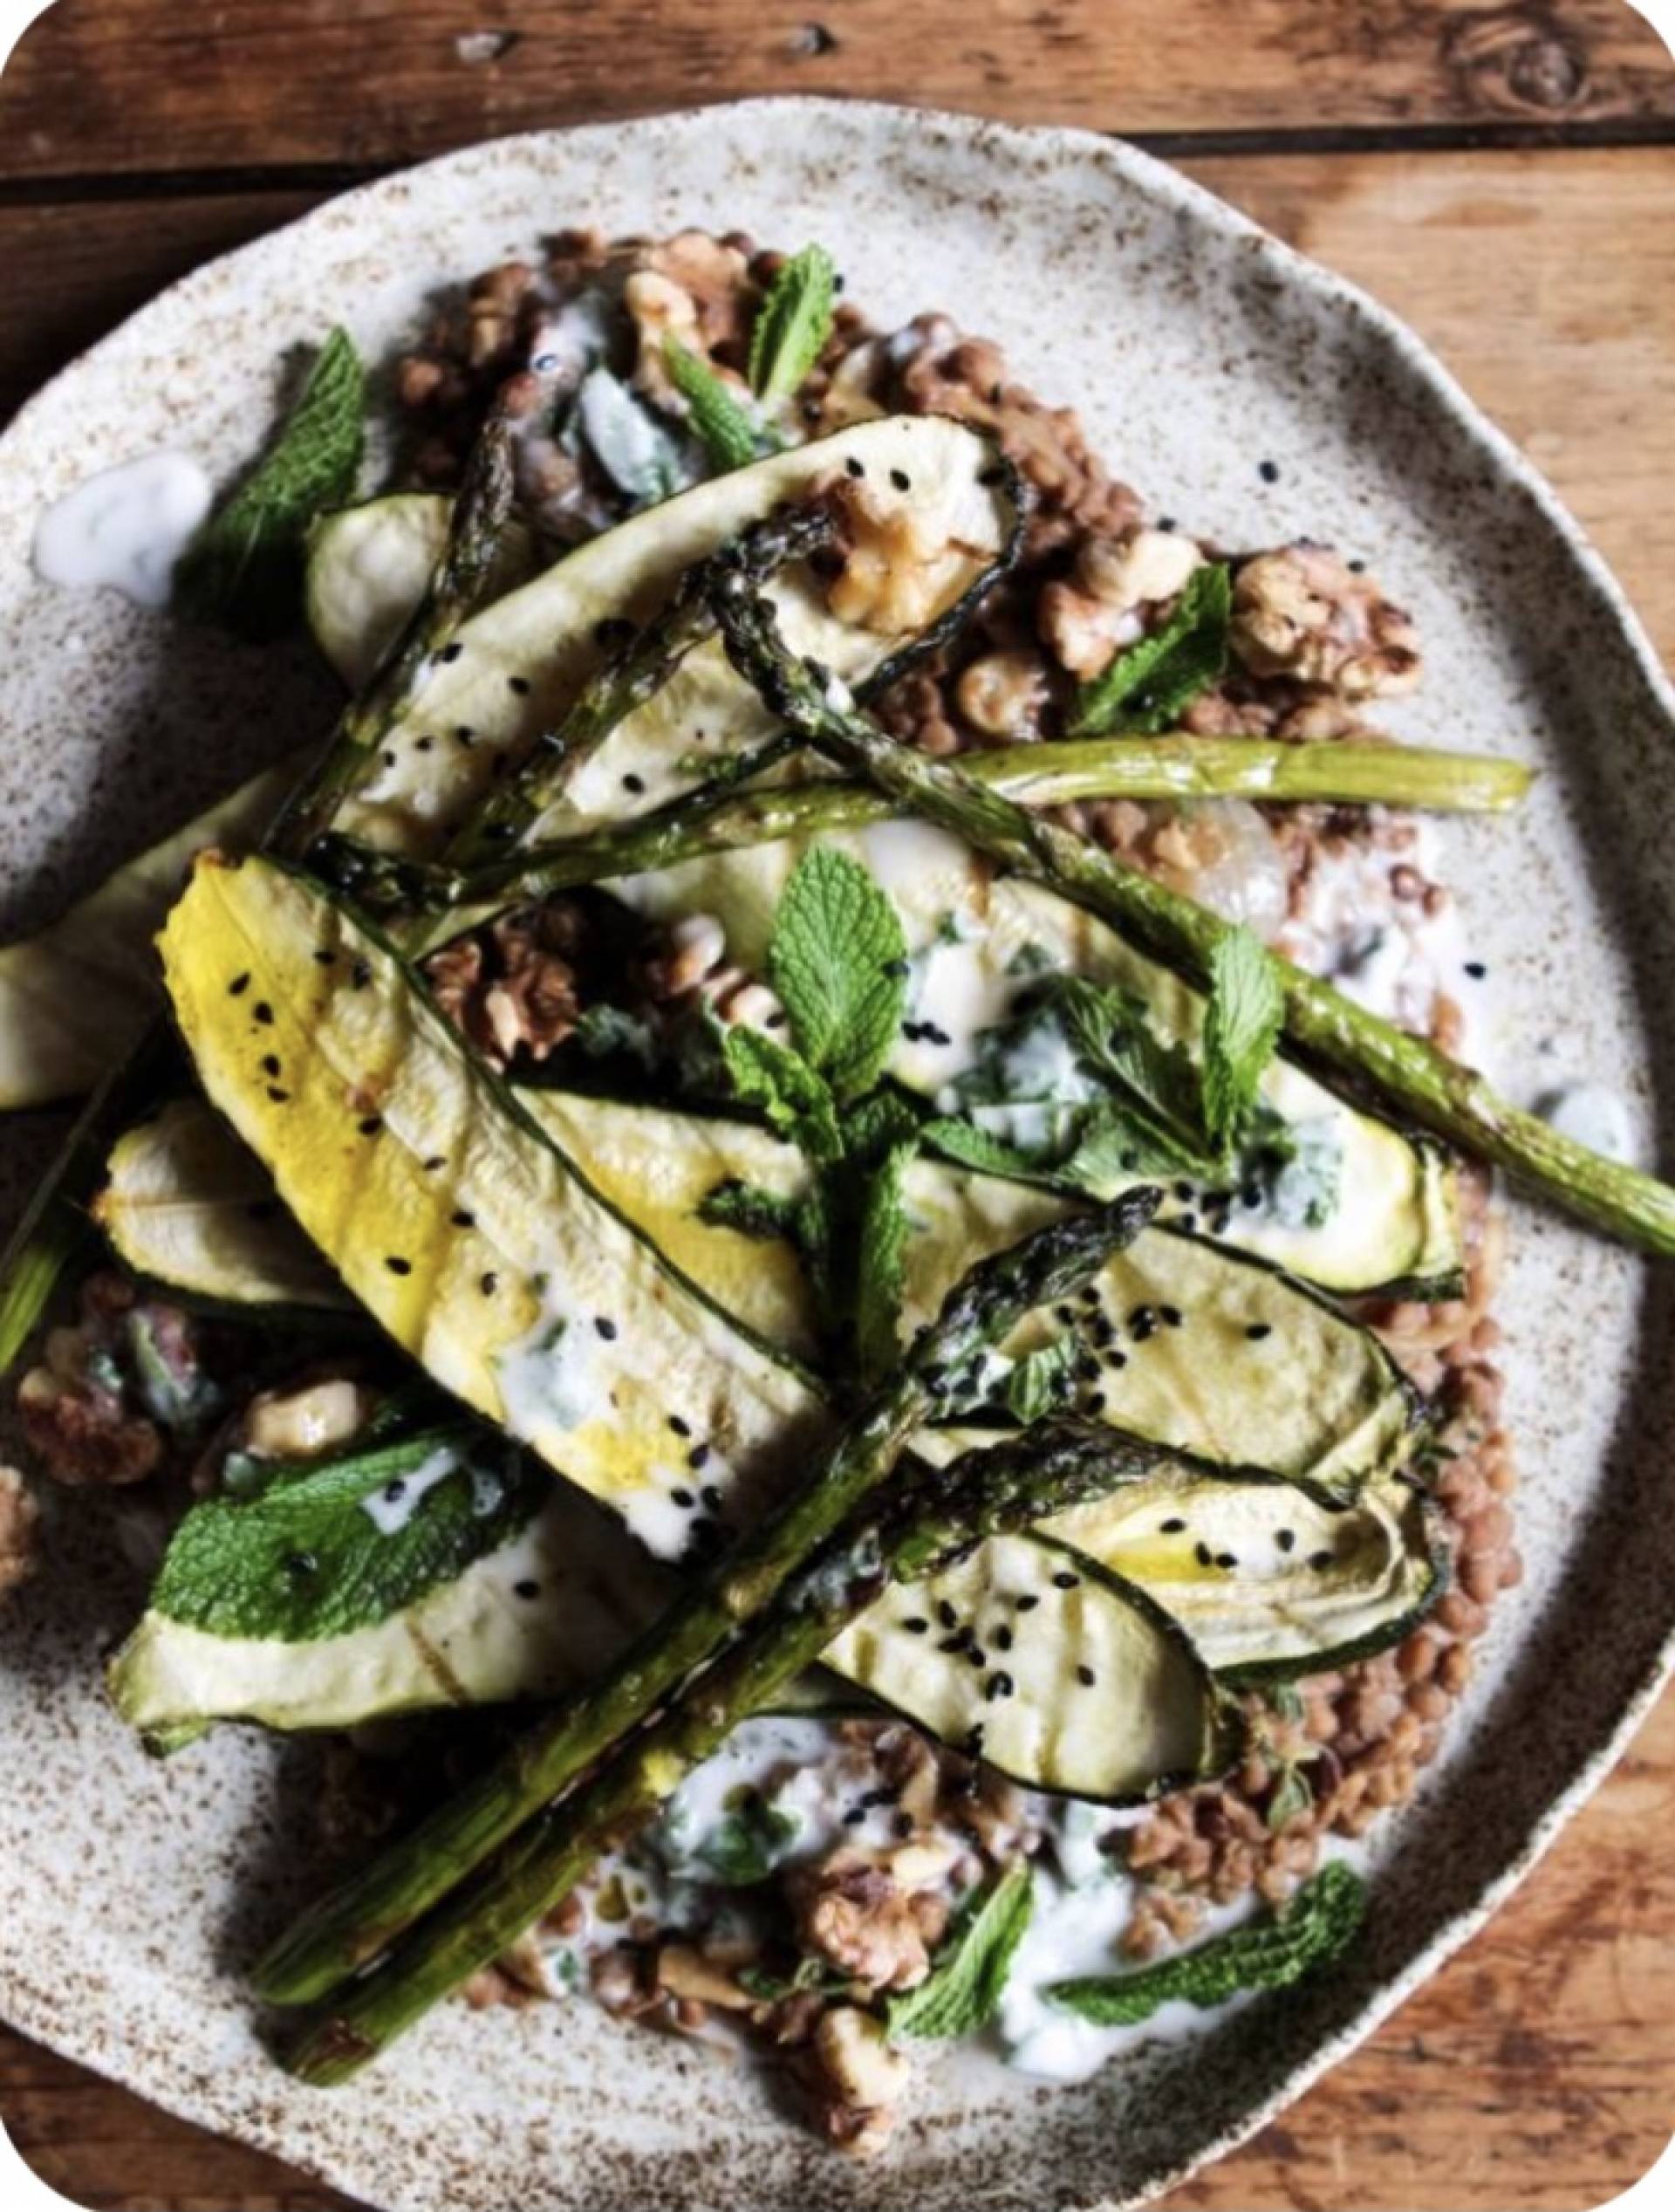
point(391, 1507)
point(1594, 1115)
point(123, 529)
point(1386, 954)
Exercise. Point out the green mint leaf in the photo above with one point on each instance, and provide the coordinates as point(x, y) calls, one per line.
point(962, 1991)
point(1292, 1795)
point(1145, 689)
point(1287, 1701)
point(1318, 1926)
point(1158, 1084)
point(1299, 1171)
point(838, 961)
point(750, 1210)
point(244, 568)
point(724, 427)
point(1241, 1027)
point(875, 1124)
point(346, 1542)
point(796, 1100)
point(1042, 1381)
point(969, 1147)
point(792, 324)
point(879, 1273)
point(744, 1848)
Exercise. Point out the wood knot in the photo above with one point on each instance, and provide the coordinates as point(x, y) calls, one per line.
point(1518, 60)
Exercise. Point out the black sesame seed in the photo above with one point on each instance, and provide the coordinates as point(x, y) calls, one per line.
point(371, 1126)
point(1186, 1222)
point(897, 966)
point(1085, 1676)
point(711, 1497)
point(1167, 522)
point(903, 1824)
point(612, 631)
point(388, 758)
point(1476, 971)
point(269, 1064)
point(635, 783)
point(698, 1456)
point(1269, 471)
point(263, 1012)
point(395, 1491)
point(325, 955)
point(1173, 1526)
point(1027, 1604)
point(451, 651)
point(683, 1498)
point(489, 1283)
point(526, 1589)
point(1257, 1330)
point(464, 737)
point(519, 684)
point(679, 1426)
point(856, 467)
point(1356, 567)
point(1117, 1360)
point(976, 1658)
point(973, 1743)
point(1065, 1580)
point(1170, 1316)
point(1203, 1554)
point(1000, 1684)
point(434, 1164)
point(1094, 1401)
point(463, 1217)
point(397, 1266)
point(239, 985)
point(916, 1625)
point(361, 975)
point(901, 480)
point(958, 1641)
point(1228, 1559)
point(854, 1817)
point(606, 1327)
point(1320, 1561)
point(279, 1097)
point(947, 1615)
point(1184, 1192)
point(1286, 1538)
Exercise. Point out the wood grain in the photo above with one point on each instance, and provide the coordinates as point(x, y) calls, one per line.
point(372, 82)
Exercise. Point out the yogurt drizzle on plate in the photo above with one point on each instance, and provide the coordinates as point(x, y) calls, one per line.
point(124, 528)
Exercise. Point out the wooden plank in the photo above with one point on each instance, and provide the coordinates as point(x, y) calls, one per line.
point(1570, 347)
point(1537, 2070)
point(97, 85)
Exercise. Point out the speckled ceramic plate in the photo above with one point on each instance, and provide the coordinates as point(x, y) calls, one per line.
point(1196, 348)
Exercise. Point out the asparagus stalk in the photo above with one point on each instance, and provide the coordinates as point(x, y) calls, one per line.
point(359, 1920)
point(719, 820)
point(51, 1231)
point(1405, 1076)
point(629, 677)
point(900, 1538)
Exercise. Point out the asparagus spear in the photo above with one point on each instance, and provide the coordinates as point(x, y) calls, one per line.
point(901, 1539)
point(629, 677)
point(712, 820)
point(1403, 1074)
point(350, 1926)
point(51, 1231)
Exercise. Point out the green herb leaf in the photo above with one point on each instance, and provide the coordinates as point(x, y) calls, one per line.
point(726, 430)
point(1318, 1926)
point(873, 1124)
point(1298, 1169)
point(1145, 689)
point(969, 1147)
point(792, 324)
point(1286, 1699)
point(1241, 1027)
point(244, 567)
point(306, 1558)
point(1042, 1381)
point(839, 960)
point(1292, 1795)
point(962, 1992)
point(880, 1269)
point(750, 1210)
point(1160, 1086)
point(744, 1848)
point(795, 1099)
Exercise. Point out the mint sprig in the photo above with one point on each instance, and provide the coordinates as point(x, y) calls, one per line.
point(729, 434)
point(962, 1992)
point(1145, 689)
point(793, 323)
point(1318, 1926)
point(244, 567)
point(1241, 1026)
point(880, 1265)
point(838, 961)
point(795, 1099)
point(347, 1542)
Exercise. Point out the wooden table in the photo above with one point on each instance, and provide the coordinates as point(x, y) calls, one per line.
point(1501, 175)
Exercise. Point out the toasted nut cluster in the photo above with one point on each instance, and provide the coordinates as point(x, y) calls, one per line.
point(19, 1530)
point(1301, 611)
point(1114, 588)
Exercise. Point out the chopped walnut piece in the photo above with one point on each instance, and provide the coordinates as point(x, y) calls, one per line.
point(856, 2080)
point(303, 1423)
point(1004, 694)
point(895, 569)
point(1301, 611)
point(854, 1913)
point(1090, 616)
point(516, 993)
point(19, 1530)
point(684, 1971)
